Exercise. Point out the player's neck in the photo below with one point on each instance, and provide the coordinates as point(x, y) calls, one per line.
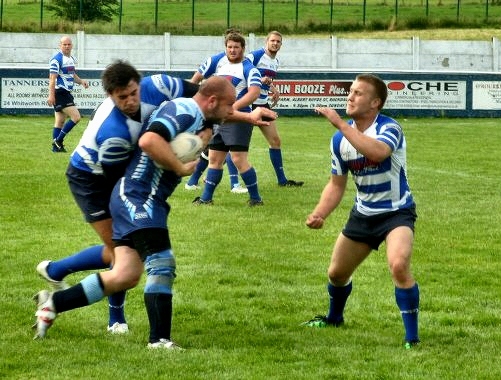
point(364, 122)
point(269, 53)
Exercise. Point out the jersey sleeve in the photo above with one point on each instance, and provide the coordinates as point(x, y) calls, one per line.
point(208, 68)
point(338, 165)
point(390, 134)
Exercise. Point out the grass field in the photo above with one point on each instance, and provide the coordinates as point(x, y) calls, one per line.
point(248, 277)
point(211, 17)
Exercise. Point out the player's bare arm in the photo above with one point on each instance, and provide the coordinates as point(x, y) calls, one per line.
point(255, 117)
point(197, 78)
point(159, 150)
point(369, 147)
point(249, 98)
point(51, 99)
point(329, 199)
point(81, 81)
point(274, 95)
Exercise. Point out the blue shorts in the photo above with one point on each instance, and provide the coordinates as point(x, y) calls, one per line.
point(91, 192)
point(133, 208)
point(234, 137)
point(146, 241)
point(373, 230)
point(63, 99)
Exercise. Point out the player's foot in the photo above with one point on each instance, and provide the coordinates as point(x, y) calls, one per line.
point(410, 345)
point(191, 187)
point(165, 344)
point(320, 321)
point(255, 202)
point(54, 284)
point(45, 313)
point(237, 189)
point(118, 328)
point(58, 146)
point(198, 202)
point(291, 183)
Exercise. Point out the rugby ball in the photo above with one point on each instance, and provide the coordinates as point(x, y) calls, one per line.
point(187, 146)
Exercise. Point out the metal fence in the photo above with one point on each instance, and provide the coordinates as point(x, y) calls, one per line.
point(205, 17)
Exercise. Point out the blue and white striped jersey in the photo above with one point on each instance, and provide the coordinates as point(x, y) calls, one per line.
point(267, 67)
point(64, 67)
point(242, 75)
point(139, 198)
point(111, 136)
point(381, 187)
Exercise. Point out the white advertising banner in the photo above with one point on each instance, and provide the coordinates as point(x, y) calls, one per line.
point(27, 93)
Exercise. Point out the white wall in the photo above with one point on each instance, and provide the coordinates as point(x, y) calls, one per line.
point(168, 52)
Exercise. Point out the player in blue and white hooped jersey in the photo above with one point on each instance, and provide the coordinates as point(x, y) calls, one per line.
point(266, 61)
point(100, 160)
point(232, 137)
point(62, 77)
point(140, 211)
point(372, 148)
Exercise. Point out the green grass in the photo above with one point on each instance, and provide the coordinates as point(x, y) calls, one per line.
point(181, 17)
point(248, 277)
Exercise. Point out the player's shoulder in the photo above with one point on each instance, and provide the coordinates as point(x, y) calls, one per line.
point(217, 57)
point(383, 120)
point(57, 58)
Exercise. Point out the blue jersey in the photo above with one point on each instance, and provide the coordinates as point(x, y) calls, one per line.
point(383, 186)
point(139, 198)
point(111, 136)
point(242, 75)
point(64, 68)
point(267, 67)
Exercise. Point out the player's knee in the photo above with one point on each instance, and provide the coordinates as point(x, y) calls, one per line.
point(275, 142)
point(161, 272)
point(123, 279)
point(399, 270)
point(337, 277)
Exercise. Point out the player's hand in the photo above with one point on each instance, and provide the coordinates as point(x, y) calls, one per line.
point(187, 168)
point(314, 221)
point(51, 100)
point(330, 114)
point(266, 80)
point(274, 95)
point(84, 83)
point(259, 113)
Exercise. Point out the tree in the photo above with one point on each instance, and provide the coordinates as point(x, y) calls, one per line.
point(91, 10)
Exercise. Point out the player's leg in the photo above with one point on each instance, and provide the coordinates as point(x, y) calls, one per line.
point(239, 155)
point(160, 265)
point(217, 155)
point(202, 165)
point(59, 118)
point(73, 119)
point(399, 250)
point(346, 257)
point(270, 133)
point(125, 274)
point(235, 186)
point(117, 323)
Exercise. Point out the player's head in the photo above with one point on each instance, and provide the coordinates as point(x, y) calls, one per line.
point(216, 97)
point(366, 98)
point(231, 30)
point(380, 89)
point(121, 82)
point(273, 41)
point(65, 44)
point(235, 47)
